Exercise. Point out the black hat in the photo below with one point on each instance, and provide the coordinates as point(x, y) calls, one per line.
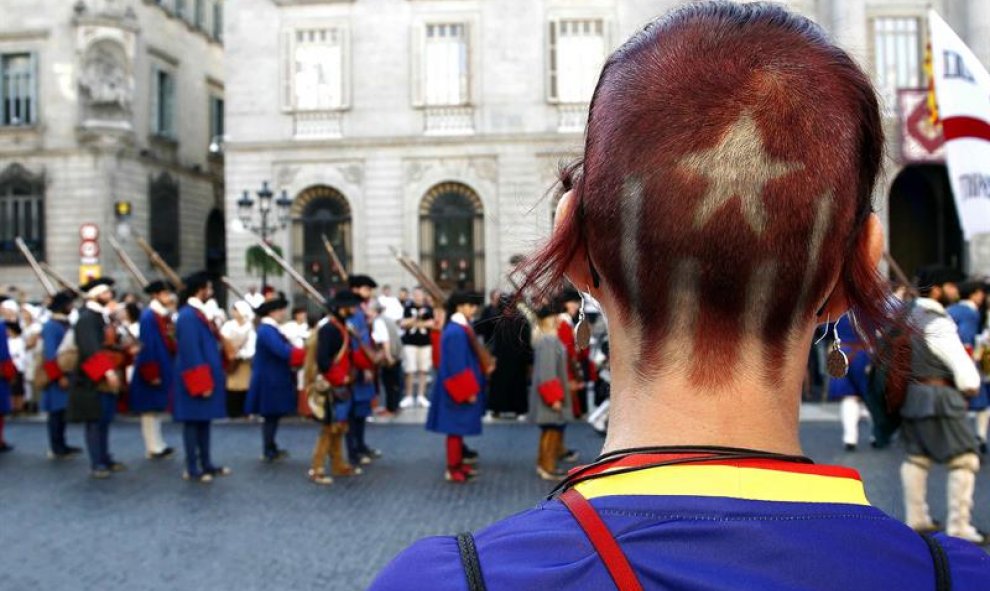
point(197, 281)
point(545, 312)
point(461, 297)
point(158, 286)
point(62, 300)
point(361, 281)
point(344, 299)
point(569, 295)
point(936, 275)
point(270, 306)
point(93, 287)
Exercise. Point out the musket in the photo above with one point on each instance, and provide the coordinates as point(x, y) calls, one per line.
point(436, 292)
point(128, 263)
point(33, 262)
point(899, 273)
point(230, 287)
point(160, 264)
point(335, 260)
point(306, 286)
point(61, 280)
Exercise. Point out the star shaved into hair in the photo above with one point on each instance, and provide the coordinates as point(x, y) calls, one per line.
point(739, 166)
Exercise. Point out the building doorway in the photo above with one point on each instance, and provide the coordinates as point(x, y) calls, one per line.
point(452, 236)
point(321, 211)
point(924, 225)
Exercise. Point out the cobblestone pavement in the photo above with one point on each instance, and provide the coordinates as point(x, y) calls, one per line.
point(266, 527)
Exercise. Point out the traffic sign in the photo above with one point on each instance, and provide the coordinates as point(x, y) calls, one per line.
point(89, 231)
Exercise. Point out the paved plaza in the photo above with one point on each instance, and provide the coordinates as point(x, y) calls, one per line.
point(266, 527)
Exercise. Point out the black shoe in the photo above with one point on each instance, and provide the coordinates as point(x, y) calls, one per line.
point(850, 447)
point(202, 478)
point(100, 473)
point(983, 448)
point(5, 447)
point(73, 451)
point(219, 471)
point(117, 467)
point(60, 455)
point(275, 456)
point(161, 455)
point(371, 453)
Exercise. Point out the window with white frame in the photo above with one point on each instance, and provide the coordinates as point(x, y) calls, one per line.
point(163, 103)
point(18, 89)
point(445, 65)
point(576, 49)
point(316, 69)
point(897, 56)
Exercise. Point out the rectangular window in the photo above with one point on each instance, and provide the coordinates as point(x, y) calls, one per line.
point(446, 65)
point(576, 52)
point(180, 8)
point(199, 15)
point(18, 89)
point(218, 21)
point(163, 104)
point(317, 76)
point(897, 56)
point(21, 214)
point(216, 118)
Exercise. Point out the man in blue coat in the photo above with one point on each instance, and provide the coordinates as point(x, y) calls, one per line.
point(55, 396)
point(365, 384)
point(7, 374)
point(154, 371)
point(200, 396)
point(458, 392)
point(966, 314)
point(272, 393)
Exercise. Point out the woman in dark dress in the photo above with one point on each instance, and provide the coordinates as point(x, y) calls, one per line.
point(510, 344)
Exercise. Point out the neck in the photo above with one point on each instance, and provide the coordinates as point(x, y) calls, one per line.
point(669, 409)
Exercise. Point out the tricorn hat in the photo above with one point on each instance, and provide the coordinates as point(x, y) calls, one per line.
point(344, 299)
point(62, 300)
point(270, 306)
point(361, 281)
point(95, 287)
point(158, 286)
point(197, 281)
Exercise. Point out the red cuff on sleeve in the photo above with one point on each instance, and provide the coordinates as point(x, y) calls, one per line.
point(97, 365)
point(338, 374)
point(435, 346)
point(150, 372)
point(297, 357)
point(551, 392)
point(7, 370)
point(198, 380)
point(361, 360)
point(463, 386)
point(53, 371)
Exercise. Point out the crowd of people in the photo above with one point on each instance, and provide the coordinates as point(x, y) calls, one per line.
point(366, 356)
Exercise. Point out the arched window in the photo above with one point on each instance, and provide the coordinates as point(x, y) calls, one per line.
point(452, 236)
point(164, 227)
point(321, 211)
point(22, 213)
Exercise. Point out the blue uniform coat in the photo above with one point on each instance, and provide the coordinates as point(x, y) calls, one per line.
point(4, 360)
point(153, 359)
point(198, 346)
point(54, 398)
point(446, 415)
point(967, 321)
point(363, 390)
point(273, 381)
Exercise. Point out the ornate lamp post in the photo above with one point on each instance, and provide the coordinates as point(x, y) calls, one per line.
point(245, 212)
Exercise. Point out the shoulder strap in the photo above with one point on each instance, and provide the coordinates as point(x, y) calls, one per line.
point(943, 578)
point(470, 562)
point(601, 538)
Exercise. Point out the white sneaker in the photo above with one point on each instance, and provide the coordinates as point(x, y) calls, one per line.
point(422, 401)
point(406, 402)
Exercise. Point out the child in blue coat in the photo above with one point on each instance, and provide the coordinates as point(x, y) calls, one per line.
point(55, 396)
point(459, 390)
point(153, 382)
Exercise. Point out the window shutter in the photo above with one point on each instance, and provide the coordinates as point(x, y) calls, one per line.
point(169, 106)
point(551, 44)
point(345, 67)
point(467, 77)
point(288, 67)
point(32, 114)
point(155, 120)
point(417, 70)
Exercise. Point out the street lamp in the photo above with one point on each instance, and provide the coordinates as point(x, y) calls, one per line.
point(245, 212)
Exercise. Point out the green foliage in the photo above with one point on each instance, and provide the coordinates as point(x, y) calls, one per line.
point(257, 261)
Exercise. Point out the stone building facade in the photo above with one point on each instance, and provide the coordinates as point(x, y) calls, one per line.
point(106, 101)
point(436, 126)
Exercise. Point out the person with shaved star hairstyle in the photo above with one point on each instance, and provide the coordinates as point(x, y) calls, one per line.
point(731, 148)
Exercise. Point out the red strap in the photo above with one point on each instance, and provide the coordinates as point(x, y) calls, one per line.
point(606, 546)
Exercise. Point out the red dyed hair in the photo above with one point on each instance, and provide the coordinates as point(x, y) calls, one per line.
point(731, 156)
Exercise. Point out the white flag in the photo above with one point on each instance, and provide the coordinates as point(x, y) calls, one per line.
point(962, 90)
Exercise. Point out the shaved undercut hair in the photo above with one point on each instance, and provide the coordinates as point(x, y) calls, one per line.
point(732, 151)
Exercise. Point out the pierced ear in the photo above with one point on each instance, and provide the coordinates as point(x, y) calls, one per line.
point(579, 268)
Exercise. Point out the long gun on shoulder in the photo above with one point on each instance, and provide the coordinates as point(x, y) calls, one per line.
point(436, 292)
point(231, 288)
point(335, 260)
point(61, 280)
point(128, 263)
point(46, 283)
point(159, 263)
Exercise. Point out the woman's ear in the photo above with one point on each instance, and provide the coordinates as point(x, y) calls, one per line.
point(577, 270)
point(872, 237)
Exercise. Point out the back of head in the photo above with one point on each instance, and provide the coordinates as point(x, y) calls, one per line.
point(731, 155)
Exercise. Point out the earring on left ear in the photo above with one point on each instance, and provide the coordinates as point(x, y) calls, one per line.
point(837, 362)
point(582, 332)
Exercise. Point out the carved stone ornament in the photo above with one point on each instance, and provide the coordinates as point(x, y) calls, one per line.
point(105, 81)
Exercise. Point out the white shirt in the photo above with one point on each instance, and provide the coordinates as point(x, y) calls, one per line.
point(942, 338)
point(459, 319)
point(243, 334)
point(379, 332)
point(393, 307)
point(296, 332)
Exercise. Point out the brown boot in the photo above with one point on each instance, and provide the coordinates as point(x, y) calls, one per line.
point(338, 466)
point(546, 467)
point(322, 450)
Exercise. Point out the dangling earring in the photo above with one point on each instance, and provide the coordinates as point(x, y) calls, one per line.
point(582, 332)
point(838, 362)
